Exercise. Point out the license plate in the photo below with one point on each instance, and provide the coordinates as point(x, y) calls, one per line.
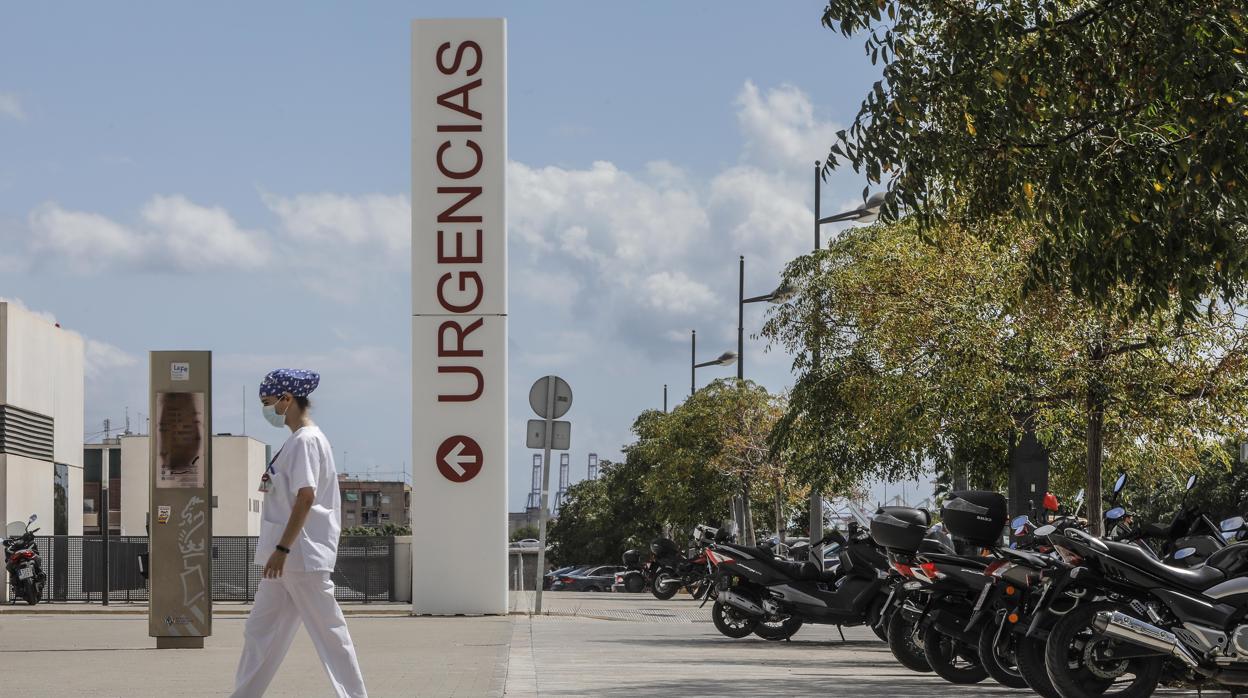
point(983, 596)
point(26, 573)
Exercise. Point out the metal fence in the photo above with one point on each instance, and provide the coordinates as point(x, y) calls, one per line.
point(75, 568)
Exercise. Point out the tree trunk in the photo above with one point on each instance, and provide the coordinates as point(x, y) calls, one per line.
point(747, 513)
point(779, 512)
point(1095, 443)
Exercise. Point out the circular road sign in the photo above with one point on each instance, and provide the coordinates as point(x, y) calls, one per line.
point(538, 398)
point(459, 459)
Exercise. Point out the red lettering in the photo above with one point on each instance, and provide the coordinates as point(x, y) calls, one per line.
point(460, 174)
point(459, 57)
point(442, 397)
point(469, 193)
point(463, 276)
point(461, 332)
point(460, 257)
point(464, 93)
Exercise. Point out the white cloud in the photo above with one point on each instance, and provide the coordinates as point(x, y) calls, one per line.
point(370, 219)
point(178, 234)
point(85, 241)
point(11, 106)
point(102, 358)
point(676, 293)
point(780, 128)
point(194, 236)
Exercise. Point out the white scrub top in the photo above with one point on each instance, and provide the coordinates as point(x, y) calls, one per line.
point(305, 460)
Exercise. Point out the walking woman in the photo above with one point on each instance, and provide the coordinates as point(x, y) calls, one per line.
point(298, 547)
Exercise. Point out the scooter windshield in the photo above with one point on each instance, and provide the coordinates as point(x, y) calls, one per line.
point(860, 516)
point(15, 528)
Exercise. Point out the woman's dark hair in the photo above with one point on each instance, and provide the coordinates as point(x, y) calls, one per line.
point(303, 402)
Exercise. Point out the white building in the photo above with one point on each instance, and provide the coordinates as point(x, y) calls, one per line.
point(237, 464)
point(41, 421)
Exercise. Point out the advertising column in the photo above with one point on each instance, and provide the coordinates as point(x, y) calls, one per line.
point(180, 543)
point(459, 316)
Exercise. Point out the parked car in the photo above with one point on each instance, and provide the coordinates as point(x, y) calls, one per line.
point(552, 575)
point(598, 578)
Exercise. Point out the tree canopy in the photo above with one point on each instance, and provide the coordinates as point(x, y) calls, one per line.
point(927, 353)
point(1119, 127)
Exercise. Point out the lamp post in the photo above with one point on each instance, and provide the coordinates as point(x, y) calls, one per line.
point(867, 213)
point(782, 293)
point(727, 358)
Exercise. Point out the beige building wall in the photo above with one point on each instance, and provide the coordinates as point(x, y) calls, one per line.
point(237, 464)
point(41, 370)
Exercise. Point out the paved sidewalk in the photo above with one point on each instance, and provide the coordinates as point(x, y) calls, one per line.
point(647, 648)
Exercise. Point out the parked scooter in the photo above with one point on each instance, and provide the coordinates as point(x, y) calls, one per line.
point(772, 598)
point(23, 562)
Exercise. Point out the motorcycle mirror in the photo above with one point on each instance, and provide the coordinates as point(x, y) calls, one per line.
point(1115, 514)
point(1184, 553)
point(1232, 524)
point(32, 518)
point(1119, 483)
point(1019, 521)
point(1191, 482)
point(1045, 530)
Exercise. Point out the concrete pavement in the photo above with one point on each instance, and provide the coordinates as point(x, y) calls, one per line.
point(648, 648)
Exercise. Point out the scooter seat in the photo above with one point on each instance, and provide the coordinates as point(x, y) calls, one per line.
point(1196, 578)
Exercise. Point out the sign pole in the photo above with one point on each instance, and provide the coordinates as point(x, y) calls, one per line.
point(542, 515)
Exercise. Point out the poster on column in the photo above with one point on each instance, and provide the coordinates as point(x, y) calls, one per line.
point(180, 440)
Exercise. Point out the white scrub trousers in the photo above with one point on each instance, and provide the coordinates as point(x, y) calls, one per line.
point(281, 604)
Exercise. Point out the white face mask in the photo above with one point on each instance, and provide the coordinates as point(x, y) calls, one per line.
point(271, 415)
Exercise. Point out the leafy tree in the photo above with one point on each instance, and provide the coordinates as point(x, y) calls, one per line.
point(931, 355)
point(382, 530)
point(1119, 127)
point(602, 518)
point(529, 532)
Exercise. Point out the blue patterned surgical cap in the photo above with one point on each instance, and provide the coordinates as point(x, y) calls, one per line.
point(295, 381)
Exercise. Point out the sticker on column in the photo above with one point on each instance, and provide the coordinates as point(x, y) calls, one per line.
point(179, 371)
point(163, 513)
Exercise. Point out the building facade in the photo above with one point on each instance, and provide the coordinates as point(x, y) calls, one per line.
point(41, 421)
point(238, 462)
point(374, 502)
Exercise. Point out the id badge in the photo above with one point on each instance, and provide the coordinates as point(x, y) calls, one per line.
point(266, 483)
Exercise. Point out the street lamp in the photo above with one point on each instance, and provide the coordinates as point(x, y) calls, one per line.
point(867, 213)
point(727, 358)
point(783, 293)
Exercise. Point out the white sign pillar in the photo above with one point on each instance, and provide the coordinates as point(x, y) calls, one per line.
point(459, 316)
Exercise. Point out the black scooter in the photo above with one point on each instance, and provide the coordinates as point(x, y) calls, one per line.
point(23, 562)
point(771, 597)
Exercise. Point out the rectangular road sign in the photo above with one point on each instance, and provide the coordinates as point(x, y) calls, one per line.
point(560, 439)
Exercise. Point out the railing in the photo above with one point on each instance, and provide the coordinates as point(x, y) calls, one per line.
point(75, 568)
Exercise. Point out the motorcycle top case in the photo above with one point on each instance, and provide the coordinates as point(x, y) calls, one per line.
point(632, 558)
point(975, 516)
point(665, 547)
point(900, 528)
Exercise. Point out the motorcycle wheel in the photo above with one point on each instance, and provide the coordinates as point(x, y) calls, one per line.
point(1031, 667)
point(731, 622)
point(634, 583)
point(778, 630)
point(952, 660)
point(907, 648)
point(665, 586)
point(1074, 650)
point(1000, 659)
point(30, 593)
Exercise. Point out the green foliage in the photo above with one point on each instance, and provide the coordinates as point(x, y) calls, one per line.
point(602, 518)
point(382, 530)
point(1221, 489)
point(1119, 128)
point(927, 352)
point(525, 532)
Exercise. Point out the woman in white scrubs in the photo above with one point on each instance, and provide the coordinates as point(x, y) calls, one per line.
point(298, 547)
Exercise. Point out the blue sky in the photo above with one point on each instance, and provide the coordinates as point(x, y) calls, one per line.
point(236, 179)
